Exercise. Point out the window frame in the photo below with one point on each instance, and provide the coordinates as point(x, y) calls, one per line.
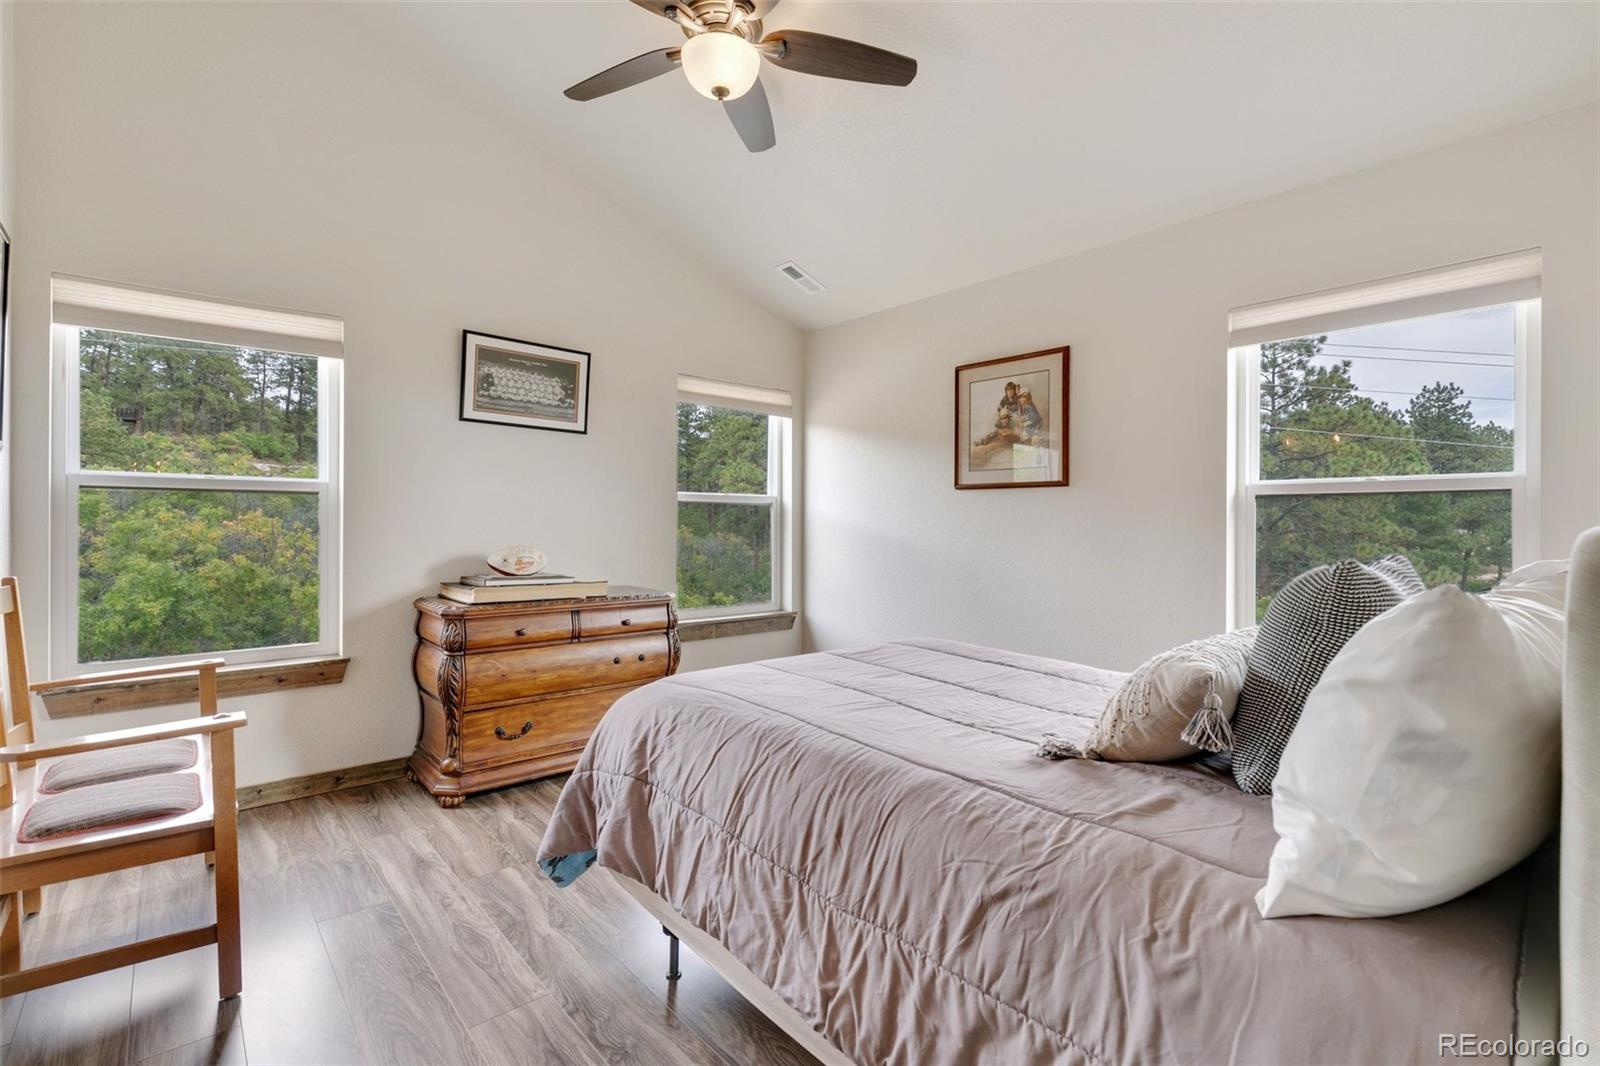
point(68, 478)
point(776, 498)
point(1246, 484)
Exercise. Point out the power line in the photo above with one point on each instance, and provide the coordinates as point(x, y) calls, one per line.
point(1378, 436)
point(1408, 348)
point(1404, 392)
point(1425, 362)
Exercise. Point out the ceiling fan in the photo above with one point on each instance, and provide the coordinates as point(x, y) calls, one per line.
point(722, 60)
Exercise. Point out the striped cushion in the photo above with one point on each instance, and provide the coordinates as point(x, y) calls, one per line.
point(1404, 576)
point(118, 764)
point(108, 806)
point(1306, 624)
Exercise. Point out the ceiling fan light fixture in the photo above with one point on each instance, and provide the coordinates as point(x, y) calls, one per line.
point(720, 65)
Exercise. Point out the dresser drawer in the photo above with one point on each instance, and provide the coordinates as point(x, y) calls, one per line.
point(621, 621)
point(521, 673)
point(530, 730)
point(510, 630)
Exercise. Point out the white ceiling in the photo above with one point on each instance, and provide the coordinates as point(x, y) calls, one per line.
point(1032, 131)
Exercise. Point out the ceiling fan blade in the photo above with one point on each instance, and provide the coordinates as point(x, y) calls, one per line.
point(752, 117)
point(835, 57)
point(632, 72)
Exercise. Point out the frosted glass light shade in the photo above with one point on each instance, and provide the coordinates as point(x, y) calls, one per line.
point(721, 66)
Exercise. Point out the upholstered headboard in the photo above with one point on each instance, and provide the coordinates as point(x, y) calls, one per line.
point(1580, 801)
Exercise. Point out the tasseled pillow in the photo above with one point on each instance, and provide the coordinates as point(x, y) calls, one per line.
point(1173, 706)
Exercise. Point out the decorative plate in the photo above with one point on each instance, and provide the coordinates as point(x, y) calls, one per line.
point(519, 560)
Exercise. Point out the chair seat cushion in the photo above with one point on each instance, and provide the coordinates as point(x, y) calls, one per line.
point(111, 805)
point(118, 764)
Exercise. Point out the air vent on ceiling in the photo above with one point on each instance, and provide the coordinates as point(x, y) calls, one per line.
point(801, 278)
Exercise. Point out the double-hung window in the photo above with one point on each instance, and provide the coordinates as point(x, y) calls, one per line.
point(733, 514)
point(1396, 416)
point(195, 497)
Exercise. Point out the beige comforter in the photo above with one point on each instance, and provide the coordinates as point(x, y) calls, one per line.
point(872, 834)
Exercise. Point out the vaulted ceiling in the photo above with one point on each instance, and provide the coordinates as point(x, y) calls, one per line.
point(1032, 131)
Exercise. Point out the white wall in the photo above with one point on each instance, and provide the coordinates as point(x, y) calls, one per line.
point(8, 220)
point(1131, 557)
point(267, 153)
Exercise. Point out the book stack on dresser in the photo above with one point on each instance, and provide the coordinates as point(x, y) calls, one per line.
point(516, 588)
point(511, 691)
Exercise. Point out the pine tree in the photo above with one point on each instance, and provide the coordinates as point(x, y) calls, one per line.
point(1442, 421)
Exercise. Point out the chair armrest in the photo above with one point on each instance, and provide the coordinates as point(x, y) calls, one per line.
point(120, 738)
point(161, 670)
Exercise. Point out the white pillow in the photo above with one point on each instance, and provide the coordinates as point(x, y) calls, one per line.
point(1427, 760)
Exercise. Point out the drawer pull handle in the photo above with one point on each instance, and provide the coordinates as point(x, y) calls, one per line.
point(627, 621)
point(616, 660)
point(500, 731)
point(641, 658)
point(522, 632)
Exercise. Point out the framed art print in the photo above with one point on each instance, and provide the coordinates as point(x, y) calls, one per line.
point(519, 383)
point(1011, 421)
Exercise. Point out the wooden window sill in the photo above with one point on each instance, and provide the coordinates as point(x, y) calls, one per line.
point(740, 625)
point(243, 680)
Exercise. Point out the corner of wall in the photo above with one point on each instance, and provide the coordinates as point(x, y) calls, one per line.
point(7, 199)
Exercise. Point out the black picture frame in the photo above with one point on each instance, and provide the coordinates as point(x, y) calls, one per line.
point(476, 406)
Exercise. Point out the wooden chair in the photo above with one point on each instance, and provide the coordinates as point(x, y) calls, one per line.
point(212, 827)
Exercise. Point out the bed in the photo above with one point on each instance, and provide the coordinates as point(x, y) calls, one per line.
point(866, 844)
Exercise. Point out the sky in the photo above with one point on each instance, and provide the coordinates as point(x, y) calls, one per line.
point(1390, 362)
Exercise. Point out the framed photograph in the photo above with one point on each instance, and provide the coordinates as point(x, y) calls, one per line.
point(519, 383)
point(1011, 421)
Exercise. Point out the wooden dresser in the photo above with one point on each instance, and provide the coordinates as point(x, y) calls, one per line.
point(511, 691)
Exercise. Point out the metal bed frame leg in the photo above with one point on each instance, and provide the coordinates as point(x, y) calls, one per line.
point(673, 973)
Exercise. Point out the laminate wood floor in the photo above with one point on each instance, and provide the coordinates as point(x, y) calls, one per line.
point(381, 929)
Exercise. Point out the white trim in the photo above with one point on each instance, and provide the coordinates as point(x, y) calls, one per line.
point(63, 503)
point(744, 498)
point(776, 461)
point(68, 479)
point(1244, 370)
point(782, 483)
point(142, 479)
point(1498, 279)
point(183, 316)
point(330, 515)
point(1246, 485)
point(1526, 536)
point(1320, 486)
point(778, 482)
point(756, 399)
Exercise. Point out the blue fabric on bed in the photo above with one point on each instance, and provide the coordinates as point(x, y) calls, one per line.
point(565, 869)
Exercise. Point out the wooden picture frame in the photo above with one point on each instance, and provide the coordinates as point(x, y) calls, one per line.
point(1013, 420)
point(510, 382)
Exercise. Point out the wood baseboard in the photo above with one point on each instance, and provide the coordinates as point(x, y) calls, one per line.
point(294, 788)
